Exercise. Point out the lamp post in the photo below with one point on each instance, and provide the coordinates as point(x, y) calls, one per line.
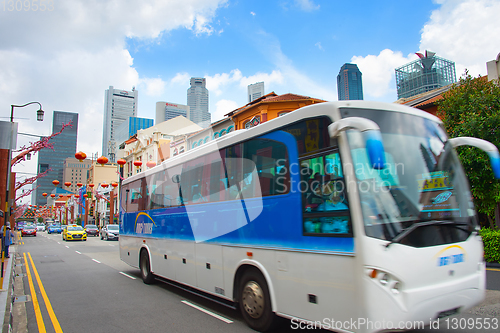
point(39, 117)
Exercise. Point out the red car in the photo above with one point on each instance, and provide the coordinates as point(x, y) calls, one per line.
point(29, 230)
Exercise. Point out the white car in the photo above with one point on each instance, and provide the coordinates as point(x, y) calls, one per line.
point(40, 227)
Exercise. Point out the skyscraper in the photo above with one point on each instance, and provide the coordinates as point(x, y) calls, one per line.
point(197, 100)
point(119, 105)
point(166, 111)
point(64, 147)
point(255, 91)
point(424, 74)
point(349, 83)
point(130, 127)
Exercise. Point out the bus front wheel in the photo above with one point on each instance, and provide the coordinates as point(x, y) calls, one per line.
point(255, 302)
point(147, 276)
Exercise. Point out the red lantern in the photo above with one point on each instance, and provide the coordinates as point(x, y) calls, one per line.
point(80, 156)
point(44, 195)
point(150, 164)
point(60, 195)
point(79, 184)
point(121, 162)
point(91, 185)
point(67, 184)
point(53, 195)
point(114, 184)
point(85, 195)
point(102, 160)
point(77, 195)
point(55, 182)
point(104, 185)
point(137, 163)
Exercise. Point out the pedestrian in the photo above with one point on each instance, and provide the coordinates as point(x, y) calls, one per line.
point(7, 240)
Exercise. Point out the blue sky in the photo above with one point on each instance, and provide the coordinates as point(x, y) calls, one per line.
point(67, 57)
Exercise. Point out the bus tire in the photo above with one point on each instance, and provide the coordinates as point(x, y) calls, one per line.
point(147, 276)
point(255, 302)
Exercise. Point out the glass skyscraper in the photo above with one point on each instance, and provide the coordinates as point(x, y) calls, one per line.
point(119, 105)
point(424, 74)
point(64, 147)
point(197, 100)
point(349, 83)
point(130, 127)
point(166, 111)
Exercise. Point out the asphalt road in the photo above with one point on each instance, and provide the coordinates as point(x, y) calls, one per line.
point(91, 290)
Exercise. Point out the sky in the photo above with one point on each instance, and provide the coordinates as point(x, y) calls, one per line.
point(65, 54)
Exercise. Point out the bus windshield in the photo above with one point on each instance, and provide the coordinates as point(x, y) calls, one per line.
point(422, 185)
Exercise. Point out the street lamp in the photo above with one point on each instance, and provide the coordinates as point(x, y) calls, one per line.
point(39, 117)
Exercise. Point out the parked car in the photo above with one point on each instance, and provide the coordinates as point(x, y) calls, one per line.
point(74, 232)
point(40, 227)
point(92, 230)
point(110, 232)
point(54, 229)
point(29, 230)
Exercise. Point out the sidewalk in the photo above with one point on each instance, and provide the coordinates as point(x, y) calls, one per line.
point(7, 290)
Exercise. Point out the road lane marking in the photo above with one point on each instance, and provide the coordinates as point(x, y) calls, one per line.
point(97, 261)
point(129, 276)
point(36, 306)
point(227, 321)
point(78, 252)
point(493, 269)
point(52, 315)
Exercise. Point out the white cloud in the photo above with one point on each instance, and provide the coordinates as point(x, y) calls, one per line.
point(215, 83)
point(378, 73)
point(465, 32)
point(306, 5)
point(152, 87)
point(66, 58)
point(252, 13)
point(318, 45)
point(223, 107)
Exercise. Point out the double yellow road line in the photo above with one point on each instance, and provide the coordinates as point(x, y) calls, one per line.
point(36, 305)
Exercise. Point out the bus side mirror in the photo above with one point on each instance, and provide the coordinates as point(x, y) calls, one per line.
point(371, 136)
point(176, 179)
point(487, 146)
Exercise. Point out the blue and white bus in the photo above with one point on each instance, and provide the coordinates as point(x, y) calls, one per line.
point(353, 216)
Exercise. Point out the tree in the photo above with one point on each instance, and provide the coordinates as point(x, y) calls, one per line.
point(472, 108)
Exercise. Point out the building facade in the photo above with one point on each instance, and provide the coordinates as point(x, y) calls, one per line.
point(268, 107)
point(167, 110)
point(130, 127)
point(64, 147)
point(427, 73)
point(197, 100)
point(153, 144)
point(349, 83)
point(255, 91)
point(119, 105)
point(215, 131)
point(75, 172)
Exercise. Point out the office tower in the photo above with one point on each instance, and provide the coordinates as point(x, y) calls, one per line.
point(255, 91)
point(130, 127)
point(166, 111)
point(119, 105)
point(75, 172)
point(64, 147)
point(349, 83)
point(424, 74)
point(197, 100)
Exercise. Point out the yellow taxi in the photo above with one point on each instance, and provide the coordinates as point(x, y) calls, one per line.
point(74, 232)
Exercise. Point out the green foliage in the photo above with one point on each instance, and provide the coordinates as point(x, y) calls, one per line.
point(472, 108)
point(491, 240)
point(40, 219)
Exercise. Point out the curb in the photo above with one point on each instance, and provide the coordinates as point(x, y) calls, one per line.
point(492, 265)
point(6, 298)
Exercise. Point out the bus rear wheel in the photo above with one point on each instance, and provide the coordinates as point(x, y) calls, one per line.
point(255, 302)
point(147, 276)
